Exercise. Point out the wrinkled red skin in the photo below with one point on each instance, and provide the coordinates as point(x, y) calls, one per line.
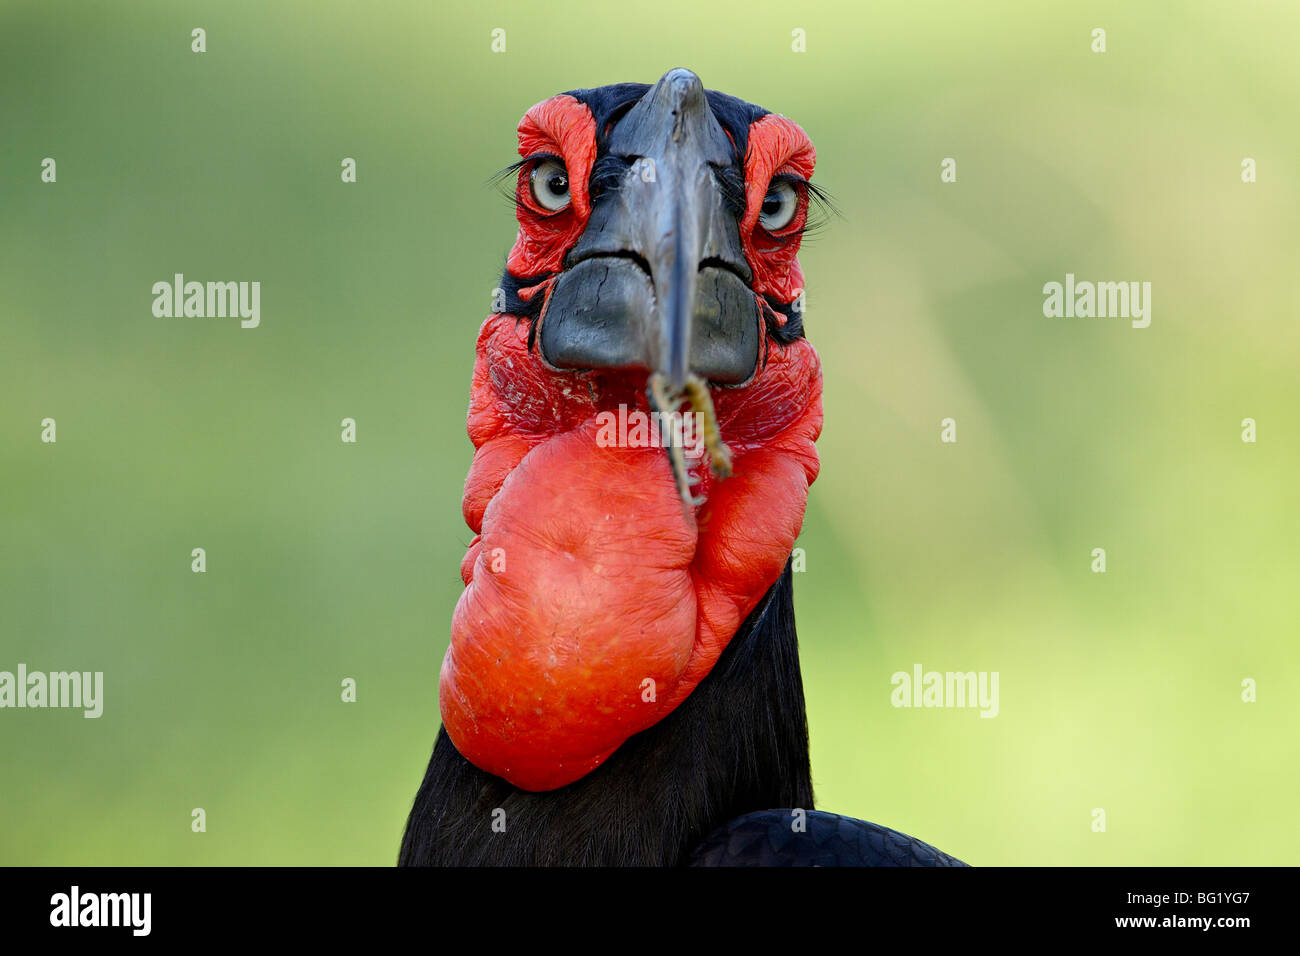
point(595, 602)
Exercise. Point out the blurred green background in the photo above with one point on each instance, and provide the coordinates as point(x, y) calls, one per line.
point(1119, 691)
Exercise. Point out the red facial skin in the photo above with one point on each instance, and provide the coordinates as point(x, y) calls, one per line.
point(595, 601)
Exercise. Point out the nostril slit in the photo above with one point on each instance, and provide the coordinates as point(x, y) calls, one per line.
point(634, 257)
point(716, 262)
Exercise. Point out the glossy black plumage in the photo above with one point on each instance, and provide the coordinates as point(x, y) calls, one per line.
point(784, 838)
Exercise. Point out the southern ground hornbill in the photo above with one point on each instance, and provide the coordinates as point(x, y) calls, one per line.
point(622, 685)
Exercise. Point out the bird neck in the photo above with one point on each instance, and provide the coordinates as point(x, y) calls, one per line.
point(738, 743)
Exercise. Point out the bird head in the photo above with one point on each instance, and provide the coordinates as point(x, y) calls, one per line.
point(643, 409)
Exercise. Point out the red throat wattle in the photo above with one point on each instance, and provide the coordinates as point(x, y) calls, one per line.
point(595, 600)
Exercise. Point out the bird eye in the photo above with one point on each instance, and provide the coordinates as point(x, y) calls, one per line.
point(779, 206)
point(549, 182)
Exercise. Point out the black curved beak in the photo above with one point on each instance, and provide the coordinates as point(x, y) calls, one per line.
point(659, 281)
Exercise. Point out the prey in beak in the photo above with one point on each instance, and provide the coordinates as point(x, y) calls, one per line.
point(658, 281)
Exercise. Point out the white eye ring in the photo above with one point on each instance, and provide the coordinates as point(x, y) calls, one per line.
point(549, 182)
point(779, 206)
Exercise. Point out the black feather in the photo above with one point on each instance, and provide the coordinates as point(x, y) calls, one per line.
point(609, 103)
point(792, 330)
point(815, 838)
point(512, 303)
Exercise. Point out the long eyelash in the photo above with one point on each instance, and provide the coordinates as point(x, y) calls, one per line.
point(506, 181)
point(607, 174)
point(821, 207)
point(731, 182)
